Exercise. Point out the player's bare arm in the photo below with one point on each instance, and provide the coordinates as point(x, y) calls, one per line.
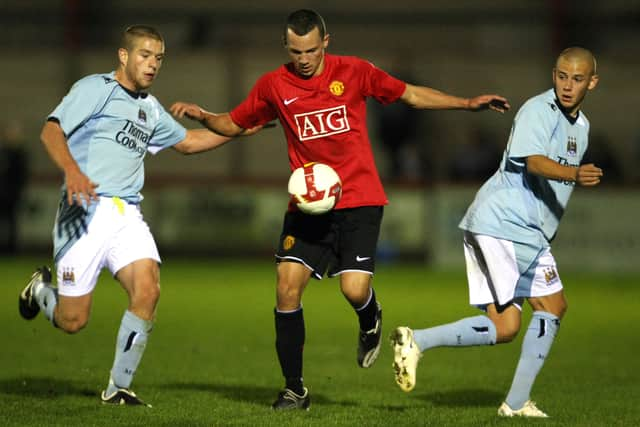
point(199, 140)
point(422, 97)
point(219, 123)
point(79, 186)
point(586, 175)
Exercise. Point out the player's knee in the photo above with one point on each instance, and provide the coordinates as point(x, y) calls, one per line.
point(562, 309)
point(148, 295)
point(71, 324)
point(289, 291)
point(506, 332)
point(356, 294)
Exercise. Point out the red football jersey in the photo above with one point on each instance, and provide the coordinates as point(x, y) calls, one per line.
point(324, 119)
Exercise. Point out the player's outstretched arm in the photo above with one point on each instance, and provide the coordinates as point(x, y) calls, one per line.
point(199, 140)
point(218, 123)
point(422, 97)
point(586, 175)
point(78, 185)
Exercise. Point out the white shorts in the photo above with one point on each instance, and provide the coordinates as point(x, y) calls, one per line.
point(116, 236)
point(498, 271)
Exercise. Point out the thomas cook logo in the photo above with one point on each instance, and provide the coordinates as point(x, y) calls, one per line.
point(68, 277)
point(336, 87)
point(572, 146)
point(550, 275)
point(288, 242)
point(142, 116)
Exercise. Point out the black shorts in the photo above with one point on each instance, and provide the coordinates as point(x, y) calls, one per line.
point(341, 240)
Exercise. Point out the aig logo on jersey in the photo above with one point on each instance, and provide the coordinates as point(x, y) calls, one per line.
point(321, 123)
point(572, 146)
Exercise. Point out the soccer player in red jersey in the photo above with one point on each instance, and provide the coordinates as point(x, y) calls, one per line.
point(320, 101)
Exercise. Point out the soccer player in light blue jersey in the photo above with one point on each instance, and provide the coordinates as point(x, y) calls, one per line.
point(98, 136)
point(507, 233)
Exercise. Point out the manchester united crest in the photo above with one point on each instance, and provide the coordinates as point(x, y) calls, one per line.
point(336, 87)
point(288, 242)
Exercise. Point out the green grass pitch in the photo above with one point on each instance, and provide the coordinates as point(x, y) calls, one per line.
point(211, 359)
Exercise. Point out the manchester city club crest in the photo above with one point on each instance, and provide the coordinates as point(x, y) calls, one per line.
point(142, 116)
point(550, 275)
point(68, 276)
point(572, 146)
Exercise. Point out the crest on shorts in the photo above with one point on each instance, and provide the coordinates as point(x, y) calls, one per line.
point(142, 116)
point(572, 146)
point(336, 87)
point(288, 242)
point(550, 275)
point(68, 277)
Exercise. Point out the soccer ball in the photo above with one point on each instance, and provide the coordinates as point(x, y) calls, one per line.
point(315, 188)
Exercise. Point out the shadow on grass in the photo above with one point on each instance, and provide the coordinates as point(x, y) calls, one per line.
point(452, 399)
point(252, 394)
point(44, 387)
point(464, 398)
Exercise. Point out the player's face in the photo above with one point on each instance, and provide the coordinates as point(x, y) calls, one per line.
point(572, 78)
point(142, 63)
point(307, 52)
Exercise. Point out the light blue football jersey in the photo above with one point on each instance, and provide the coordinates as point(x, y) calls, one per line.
point(109, 130)
point(516, 205)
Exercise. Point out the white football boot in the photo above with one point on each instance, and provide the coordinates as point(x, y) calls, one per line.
point(528, 410)
point(406, 357)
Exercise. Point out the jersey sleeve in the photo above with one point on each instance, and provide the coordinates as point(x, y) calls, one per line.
point(381, 85)
point(167, 133)
point(85, 98)
point(531, 131)
point(256, 109)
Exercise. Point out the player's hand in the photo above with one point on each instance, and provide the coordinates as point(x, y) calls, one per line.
point(588, 175)
point(490, 102)
point(185, 109)
point(79, 187)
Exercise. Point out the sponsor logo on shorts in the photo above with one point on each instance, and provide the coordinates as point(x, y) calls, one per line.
point(288, 242)
point(550, 275)
point(362, 258)
point(68, 277)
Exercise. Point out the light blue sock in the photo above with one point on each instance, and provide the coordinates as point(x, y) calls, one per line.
point(477, 330)
point(47, 298)
point(130, 345)
point(535, 348)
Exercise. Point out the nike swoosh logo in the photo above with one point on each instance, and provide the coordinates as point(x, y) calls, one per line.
point(362, 258)
point(290, 101)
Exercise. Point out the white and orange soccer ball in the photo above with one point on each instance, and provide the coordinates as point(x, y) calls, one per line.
point(315, 188)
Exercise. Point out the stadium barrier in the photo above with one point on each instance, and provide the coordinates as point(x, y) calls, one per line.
point(598, 233)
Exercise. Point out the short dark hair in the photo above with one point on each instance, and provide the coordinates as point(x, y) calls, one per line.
point(303, 21)
point(137, 31)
